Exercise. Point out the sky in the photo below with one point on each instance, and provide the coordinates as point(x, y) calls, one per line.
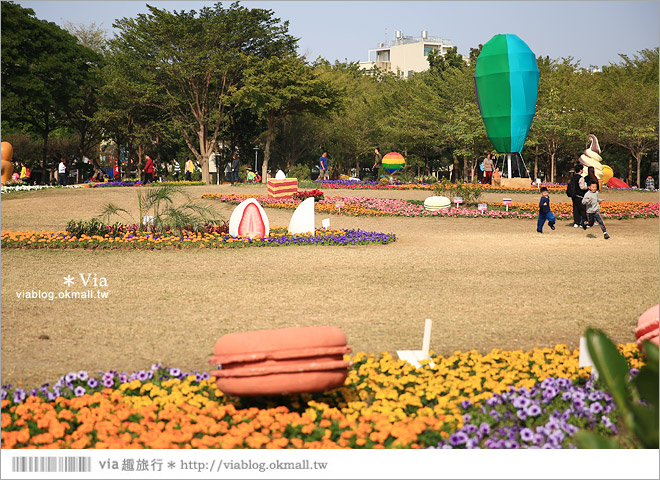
point(592, 32)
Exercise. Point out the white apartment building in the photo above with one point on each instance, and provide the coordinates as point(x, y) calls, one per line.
point(405, 55)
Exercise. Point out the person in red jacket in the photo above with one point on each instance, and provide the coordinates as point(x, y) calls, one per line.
point(148, 170)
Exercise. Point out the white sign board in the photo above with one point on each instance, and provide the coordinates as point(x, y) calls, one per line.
point(458, 199)
point(585, 359)
point(483, 207)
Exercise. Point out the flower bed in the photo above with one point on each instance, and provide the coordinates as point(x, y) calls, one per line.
point(512, 398)
point(614, 210)
point(146, 240)
point(357, 206)
point(139, 183)
point(27, 188)
point(373, 185)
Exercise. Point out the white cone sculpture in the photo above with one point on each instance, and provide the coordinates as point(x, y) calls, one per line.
point(302, 220)
point(280, 175)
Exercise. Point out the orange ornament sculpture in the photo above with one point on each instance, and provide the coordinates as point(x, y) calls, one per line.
point(281, 361)
point(647, 327)
point(7, 168)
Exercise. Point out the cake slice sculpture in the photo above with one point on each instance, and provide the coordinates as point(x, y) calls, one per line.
point(302, 220)
point(281, 361)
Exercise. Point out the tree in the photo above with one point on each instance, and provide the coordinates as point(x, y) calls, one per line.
point(629, 106)
point(194, 62)
point(280, 87)
point(43, 72)
point(557, 118)
point(440, 63)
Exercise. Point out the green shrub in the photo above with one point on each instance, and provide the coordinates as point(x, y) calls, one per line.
point(384, 181)
point(300, 171)
point(470, 192)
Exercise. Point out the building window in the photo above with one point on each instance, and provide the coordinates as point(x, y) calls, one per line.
point(428, 48)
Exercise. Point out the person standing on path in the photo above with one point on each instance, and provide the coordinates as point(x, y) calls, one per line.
point(577, 194)
point(177, 170)
point(235, 166)
point(61, 173)
point(489, 166)
point(148, 170)
point(190, 168)
point(378, 161)
point(323, 166)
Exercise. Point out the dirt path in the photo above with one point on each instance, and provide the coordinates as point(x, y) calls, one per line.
point(485, 283)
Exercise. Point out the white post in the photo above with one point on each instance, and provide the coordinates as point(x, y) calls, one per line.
point(508, 161)
point(426, 342)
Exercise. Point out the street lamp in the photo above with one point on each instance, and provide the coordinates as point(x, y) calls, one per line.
point(256, 149)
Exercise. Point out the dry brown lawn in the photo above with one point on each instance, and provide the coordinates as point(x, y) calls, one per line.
point(485, 283)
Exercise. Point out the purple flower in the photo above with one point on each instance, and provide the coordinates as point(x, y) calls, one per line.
point(521, 414)
point(557, 436)
point(470, 429)
point(526, 434)
point(595, 408)
point(3, 395)
point(465, 404)
point(51, 397)
point(156, 366)
point(123, 378)
point(175, 372)
point(79, 391)
point(533, 410)
point(472, 443)
point(466, 417)
point(108, 382)
point(92, 383)
point(521, 402)
point(19, 395)
point(458, 438)
point(82, 375)
point(70, 377)
point(484, 428)
point(142, 375)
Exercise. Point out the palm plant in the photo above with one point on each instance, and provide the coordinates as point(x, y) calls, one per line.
point(158, 201)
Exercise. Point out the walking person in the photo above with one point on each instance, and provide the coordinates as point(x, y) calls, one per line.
point(378, 161)
point(177, 170)
point(576, 193)
point(190, 168)
point(489, 166)
point(544, 211)
point(61, 173)
point(148, 170)
point(323, 166)
point(235, 166)
point(592, 202)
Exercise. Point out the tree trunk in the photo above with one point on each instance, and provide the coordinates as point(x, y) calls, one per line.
point(639, 169)
point(264, 167)
point(357, 166)
point(455, 169)
point(204, 151)
point(552, 167)
point(630, 167)
point(536, 163)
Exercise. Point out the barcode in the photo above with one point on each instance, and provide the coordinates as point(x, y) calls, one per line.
point(51, 464)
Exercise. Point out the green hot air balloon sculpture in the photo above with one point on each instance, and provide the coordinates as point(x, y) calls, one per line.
point(507, 81)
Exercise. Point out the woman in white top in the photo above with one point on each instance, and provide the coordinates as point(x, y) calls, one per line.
point(61, 173)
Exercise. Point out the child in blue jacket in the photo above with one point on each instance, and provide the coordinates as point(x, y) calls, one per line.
point(544, 211)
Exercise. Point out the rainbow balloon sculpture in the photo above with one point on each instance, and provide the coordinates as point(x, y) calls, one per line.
point(393, 162)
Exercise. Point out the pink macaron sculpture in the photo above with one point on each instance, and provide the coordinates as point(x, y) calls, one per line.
point(647, 327)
